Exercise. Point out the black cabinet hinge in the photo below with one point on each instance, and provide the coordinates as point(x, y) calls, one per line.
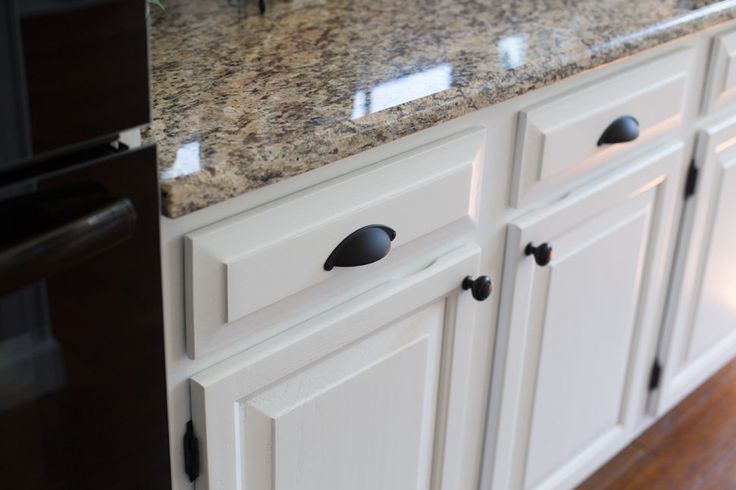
point(655, 375)
point(692, 180)
point(191, 453)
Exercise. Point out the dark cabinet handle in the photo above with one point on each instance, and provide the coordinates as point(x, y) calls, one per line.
point(67, 243)
point(622, 130)
point(363, 246)
point(542, 253)
point(480, 287)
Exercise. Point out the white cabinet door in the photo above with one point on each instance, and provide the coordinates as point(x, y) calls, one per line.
point(576, 336)
point(702, 321)
point(370, 395)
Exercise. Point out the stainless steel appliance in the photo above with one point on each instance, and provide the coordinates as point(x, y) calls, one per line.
point(82, 382)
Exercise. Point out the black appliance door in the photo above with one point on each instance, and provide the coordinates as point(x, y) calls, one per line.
point(82, 381)
point(15, 136)
point(72, 72)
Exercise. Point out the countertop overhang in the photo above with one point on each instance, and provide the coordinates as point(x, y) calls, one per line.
point(242, 100)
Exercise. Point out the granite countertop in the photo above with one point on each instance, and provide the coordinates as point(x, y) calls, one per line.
point(242, 100)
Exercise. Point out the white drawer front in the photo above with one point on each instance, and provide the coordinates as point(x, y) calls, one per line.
point(244, 264)
point(720, 89)
point(557, 140)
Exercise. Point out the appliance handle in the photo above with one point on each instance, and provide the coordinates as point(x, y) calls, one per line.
point(64, 245)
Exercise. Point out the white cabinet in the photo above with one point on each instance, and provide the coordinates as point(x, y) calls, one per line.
point(702, 320)
point(236, 268)
point(369, 395)
point(363, 378)
point(558, 139)
point(720, 88)
point(577, 336)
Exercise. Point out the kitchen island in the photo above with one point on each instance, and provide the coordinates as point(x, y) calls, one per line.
point(451, 245)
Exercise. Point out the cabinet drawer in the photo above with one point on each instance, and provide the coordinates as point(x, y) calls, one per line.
point(252, 262)
point(371, 394)
point(558, 140)
point(720, 89)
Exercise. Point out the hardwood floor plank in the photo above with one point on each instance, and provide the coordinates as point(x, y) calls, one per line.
point(616, 469)
point(692, 447)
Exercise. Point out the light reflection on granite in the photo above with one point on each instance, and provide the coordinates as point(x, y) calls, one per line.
point(241, 100)
point(401, 90)
point(185, 163)
point(512, 50)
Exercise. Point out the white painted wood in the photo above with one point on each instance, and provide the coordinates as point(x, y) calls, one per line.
point(371, 394)
point(576, 337)
point(557, 140)
point(249, 262)
point(702, 310)
point(361, 419)
point(720, 89)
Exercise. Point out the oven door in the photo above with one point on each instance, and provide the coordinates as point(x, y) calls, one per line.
point(82, 381)
point(72, 73)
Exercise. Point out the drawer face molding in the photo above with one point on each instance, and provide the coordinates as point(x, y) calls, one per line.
point(252, 261)
point(720, 90)
point(557, 140)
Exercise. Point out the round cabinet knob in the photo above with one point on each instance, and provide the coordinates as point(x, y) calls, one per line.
point(480, 288)
point(542, 253)
point(622, 130)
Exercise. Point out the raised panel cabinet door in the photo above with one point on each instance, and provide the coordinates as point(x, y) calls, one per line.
point(577, 333)
point(702, 306)
point(370, 395)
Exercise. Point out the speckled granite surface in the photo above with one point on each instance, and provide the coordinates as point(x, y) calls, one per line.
point(241, 100)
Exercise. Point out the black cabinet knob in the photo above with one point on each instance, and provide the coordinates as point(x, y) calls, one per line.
point(363, 246)
point(542, 253)
point(622, 130)
point(480, 287)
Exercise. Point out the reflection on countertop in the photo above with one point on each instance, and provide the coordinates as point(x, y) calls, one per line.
point(401, 90)
point(242, 100)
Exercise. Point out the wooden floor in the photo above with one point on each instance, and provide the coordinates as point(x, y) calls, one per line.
point(692, 447)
